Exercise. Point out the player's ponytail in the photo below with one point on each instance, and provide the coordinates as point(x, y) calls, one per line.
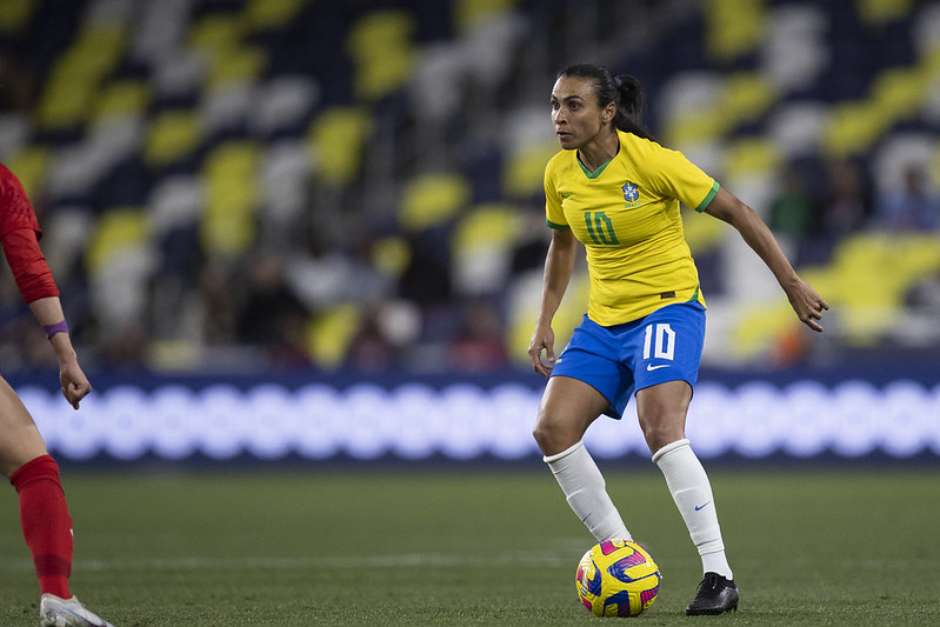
point(630, 107)
point(623, 90)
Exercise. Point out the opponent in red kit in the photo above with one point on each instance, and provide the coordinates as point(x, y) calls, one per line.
point(44, 513)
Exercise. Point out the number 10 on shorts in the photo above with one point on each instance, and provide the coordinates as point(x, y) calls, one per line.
point(665, 341)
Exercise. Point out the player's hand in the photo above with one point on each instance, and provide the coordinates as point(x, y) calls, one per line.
point(75, 385)
point(542, 340)
point(807, 304)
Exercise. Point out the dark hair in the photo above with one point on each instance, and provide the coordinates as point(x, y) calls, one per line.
point(622, 89)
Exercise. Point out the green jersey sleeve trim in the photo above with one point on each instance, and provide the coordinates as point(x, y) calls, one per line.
point(557, 227)
point(702, 206)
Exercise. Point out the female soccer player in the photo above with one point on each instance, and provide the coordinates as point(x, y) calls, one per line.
point(617, 191)
point(44, 513)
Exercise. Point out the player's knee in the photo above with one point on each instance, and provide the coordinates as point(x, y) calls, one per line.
point(553, 436)
point(660, 431)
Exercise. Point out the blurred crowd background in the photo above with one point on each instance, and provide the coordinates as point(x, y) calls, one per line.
point(265, 184)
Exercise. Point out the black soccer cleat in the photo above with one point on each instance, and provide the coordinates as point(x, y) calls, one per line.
point(716, 595)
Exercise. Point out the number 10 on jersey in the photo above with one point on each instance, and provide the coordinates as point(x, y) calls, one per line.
point(600, 228)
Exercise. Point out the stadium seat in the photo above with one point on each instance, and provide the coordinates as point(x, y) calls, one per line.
point(431, 199)
point(335, 142)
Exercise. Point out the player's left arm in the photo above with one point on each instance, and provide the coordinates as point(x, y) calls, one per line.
point(807, 304)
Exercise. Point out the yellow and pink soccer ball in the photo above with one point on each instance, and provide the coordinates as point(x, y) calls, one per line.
point(617, 578)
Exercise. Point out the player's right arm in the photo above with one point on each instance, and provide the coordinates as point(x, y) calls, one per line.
point(559, 264)
point(19, 240)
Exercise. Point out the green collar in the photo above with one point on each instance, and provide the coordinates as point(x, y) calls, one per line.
point(600, 169)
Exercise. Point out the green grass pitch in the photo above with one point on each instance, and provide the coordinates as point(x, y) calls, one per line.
point(476, 547)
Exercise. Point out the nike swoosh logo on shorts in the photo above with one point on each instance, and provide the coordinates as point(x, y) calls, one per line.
point(651, 367)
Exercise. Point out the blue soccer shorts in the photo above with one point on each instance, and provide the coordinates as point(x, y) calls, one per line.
point(620, 360)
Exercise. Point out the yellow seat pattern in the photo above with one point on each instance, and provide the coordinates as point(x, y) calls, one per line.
point(865, 285)
point(123, 98)
point(72, 85)
point(524, 170)
point(330, 333)
point(236, 65)
point(703, 233)
point(228, 225)
point(391, 256)
point(751, 156)
point(380, 45)
point(881, 11)
point(172, 135)
point(217, 33)
point(468, 14)
point(523, 316)
point(852, 128)
point(29, 166)
point(15, 14)
point(431, 199)
point(335, 143)
point(265, 14)
point(733, 27)
point(487, 227)
point(744, 97)
point(120, 229)
point(900, 93)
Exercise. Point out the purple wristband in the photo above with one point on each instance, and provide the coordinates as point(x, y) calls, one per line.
point(58, 327)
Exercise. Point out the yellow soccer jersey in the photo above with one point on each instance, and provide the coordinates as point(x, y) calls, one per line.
point(626, 213)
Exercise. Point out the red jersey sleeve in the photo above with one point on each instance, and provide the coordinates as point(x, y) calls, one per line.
point(19, 235)
point(16, 212)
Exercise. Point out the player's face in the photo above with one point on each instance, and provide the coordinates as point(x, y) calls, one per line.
point(576, 114)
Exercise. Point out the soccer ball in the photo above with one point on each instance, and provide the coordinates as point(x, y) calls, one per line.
point(617, 578)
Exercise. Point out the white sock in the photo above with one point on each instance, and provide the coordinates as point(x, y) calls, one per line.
point(692, 493)
point(584, 487)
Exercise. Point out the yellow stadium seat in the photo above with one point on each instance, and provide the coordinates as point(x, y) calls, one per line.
point(487, 226)
point(73, 82)
point(900, 92)
point(524, 313)
point(750, 156)
point(697, 127)
point(172, 135)
point(865, 285)
point(470, 13)
point(228, 224)
point(123, 98)
point(391, 256)
point(524, 170)
point(234, 65)
point(336, 140)
point(380, 44)
point(29, 166)
point(431, 199)
point(118, 230)
point(702, 235)
point(746, 96)
point(733, 27)
point(264, 14)
point(217, 33)
point(852, 128)
point(15, 14)
point(880, 11)
point(931, 64)
point(330, 334)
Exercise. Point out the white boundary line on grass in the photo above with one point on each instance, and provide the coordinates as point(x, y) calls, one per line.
point(403, 560)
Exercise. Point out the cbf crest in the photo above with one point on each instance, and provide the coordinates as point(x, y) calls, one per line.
point(631, 194)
